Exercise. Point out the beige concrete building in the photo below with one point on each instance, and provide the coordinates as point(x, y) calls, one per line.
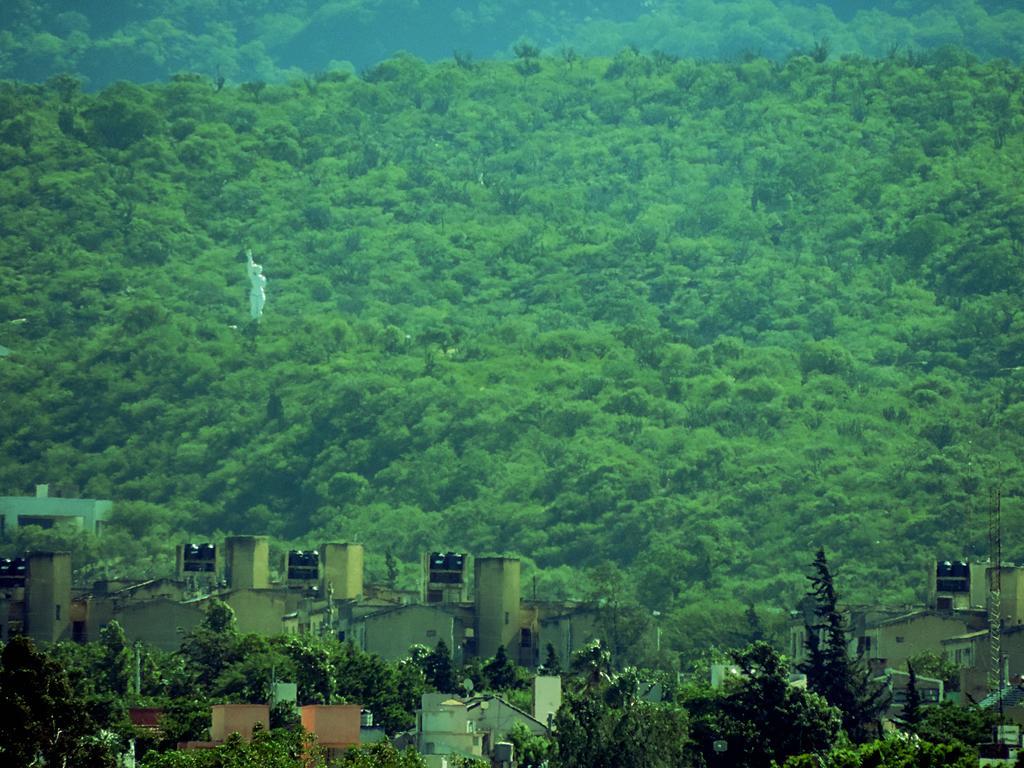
point(444, 728)
point(260, 611)
point(247, 562)
point(48, 596)
point(1011, 597)
point(341, 571)
point(494, 718)
point(336, 726)
point(568, 632)
point(321, 593)
point(242, 719)
point(895, 640)
point(161, 623)
point(958, 585)
point(35, 597)
point(497, 606)
point(390, 632)
point(547, 697)
point(46, 510)
point(237, 572)
point(445, 578)
point(970, 651)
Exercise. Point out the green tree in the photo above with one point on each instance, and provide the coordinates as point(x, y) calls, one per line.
point(552, 665)
point(763, 718)
point(382, 755)
point(947, 722)
point(42, 722)
point(274, 749)
point(604, 724)
point(623, 623)
point(894, 751)
point(930, 664)
point(591, 666)
point(118, 659)
point(212, 647)
point(911, 714)
point(438, 669)
point(531, 750)
point(501, 672)
point(123, 115)
point(843, 682)
point(186, 718)
point(315, 667)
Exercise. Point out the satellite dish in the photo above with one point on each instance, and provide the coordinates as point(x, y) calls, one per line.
point(467, 685)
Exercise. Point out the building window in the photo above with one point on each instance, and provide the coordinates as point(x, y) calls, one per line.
point(525, 638)
point(900, 638)
point(506, 617)
point(433, 595)
point(57, 612)
point(431, 633)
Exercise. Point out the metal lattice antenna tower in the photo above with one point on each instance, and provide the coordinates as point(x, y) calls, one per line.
point(995, 613)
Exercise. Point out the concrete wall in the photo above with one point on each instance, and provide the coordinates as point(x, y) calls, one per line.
point(247, 562)
point(495, 716)
point(390, 633)
point(1011, 599)
point(237, 718)
point(48, 596)
point(568, 634)
point(341, 567)
point(201, 577)
point(896, 640)
point(975, 597)
point(547, 696)
point(160, 623)
point(260, 610)
point(335, 726)
point(973, 653)
point(447, 584)
point(497, 605)
point(443, 727)
point(88, 514)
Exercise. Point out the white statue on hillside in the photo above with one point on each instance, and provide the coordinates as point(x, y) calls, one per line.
point(258, 291)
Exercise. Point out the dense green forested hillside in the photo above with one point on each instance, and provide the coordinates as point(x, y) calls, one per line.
point(692, 319)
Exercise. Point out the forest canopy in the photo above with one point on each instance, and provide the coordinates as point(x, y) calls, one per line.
point(693, 319)
point(274, 41)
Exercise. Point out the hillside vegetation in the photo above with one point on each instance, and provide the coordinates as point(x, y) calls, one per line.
point(275, 39)
point(692, 319)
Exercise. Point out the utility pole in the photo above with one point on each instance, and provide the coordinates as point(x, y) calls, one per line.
point(137, 669)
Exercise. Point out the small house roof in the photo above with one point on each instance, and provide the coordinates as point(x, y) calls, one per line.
point(1010, 696)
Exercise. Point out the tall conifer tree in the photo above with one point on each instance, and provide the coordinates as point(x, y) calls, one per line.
point(844, 682)
point(912, 706)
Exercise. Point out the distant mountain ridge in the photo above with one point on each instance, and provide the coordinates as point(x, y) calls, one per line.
point(272, 41)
